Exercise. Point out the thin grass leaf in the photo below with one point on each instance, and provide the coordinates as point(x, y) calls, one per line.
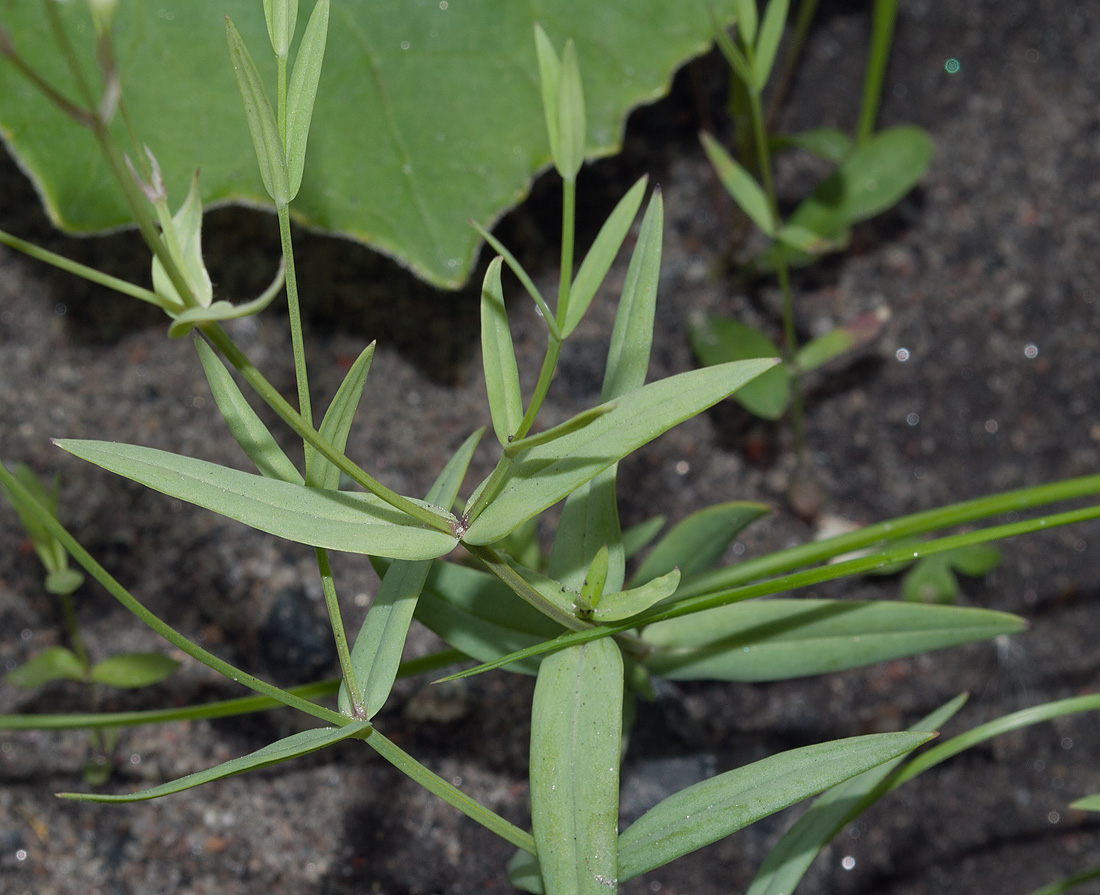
point(791, 857)
point(1088, 803)
point(302, 92)
point(133, 670)
point(1069, 883)
point(498, 357)
point(376, 655)
point(291, 747)
point(602, 255)
point(697, 542)
point(261, 120)
point(711, 810)
point(769, 640)
point(771, 32)
point(740, 184)
point(244, 424)
point(336, 426)
point(632, 336)
point(337, 520)
point(575, 752)
point(547, 473)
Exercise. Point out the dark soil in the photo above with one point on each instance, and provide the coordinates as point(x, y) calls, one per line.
point(989, 270)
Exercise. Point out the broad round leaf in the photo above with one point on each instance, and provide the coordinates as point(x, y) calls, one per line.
point(427, 115)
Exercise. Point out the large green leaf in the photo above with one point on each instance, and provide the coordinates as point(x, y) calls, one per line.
point(427, 115)
point(769, 640)
point(545, 474)
point(708, 811)
point(338, 520)
point(576, 732)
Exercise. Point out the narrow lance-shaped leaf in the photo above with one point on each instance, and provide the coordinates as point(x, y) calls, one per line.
point(284, 750)
point(338, 520)
point(244, 424)
point(768, 640)
point(711, 810)
point(376, 655)
point(593, 585)
point(739, 183)
point(747, 20)
point(601, 255)
point(575, 751)
point(571, 121)
point(771, 32)
point(546, 474)
point(498, 357)
point(614, 607)
point(132, 670)
point(261, 120)
point(302, 92)
point(573, 424)
point(789, 859)
point(549, 82)
point(632, 336)
point(336, 426)
point(55, 663)
point(282, 18)
point(696, 543)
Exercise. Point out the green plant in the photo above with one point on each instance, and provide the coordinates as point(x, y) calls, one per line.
point(72, 663)
point(592, 629)
point(436, 73)
point(872, 172)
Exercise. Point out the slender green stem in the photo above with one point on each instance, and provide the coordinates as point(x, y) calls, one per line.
point(270, 395)
point(496, 564)
point(328, 585)
point(806, 578)
point(803, 19)
point(568, 237)
point(790, 336)
point(123, 596)
point(226, 708)
point(71, 60)
point(449, 793)
point(80, 270)
point(296, 338)
point(73, 630)
point(882, 35)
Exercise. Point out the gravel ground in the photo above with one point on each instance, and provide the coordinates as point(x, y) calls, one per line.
point(989, 271)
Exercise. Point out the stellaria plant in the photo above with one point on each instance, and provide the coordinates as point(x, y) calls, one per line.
point(594, 621)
